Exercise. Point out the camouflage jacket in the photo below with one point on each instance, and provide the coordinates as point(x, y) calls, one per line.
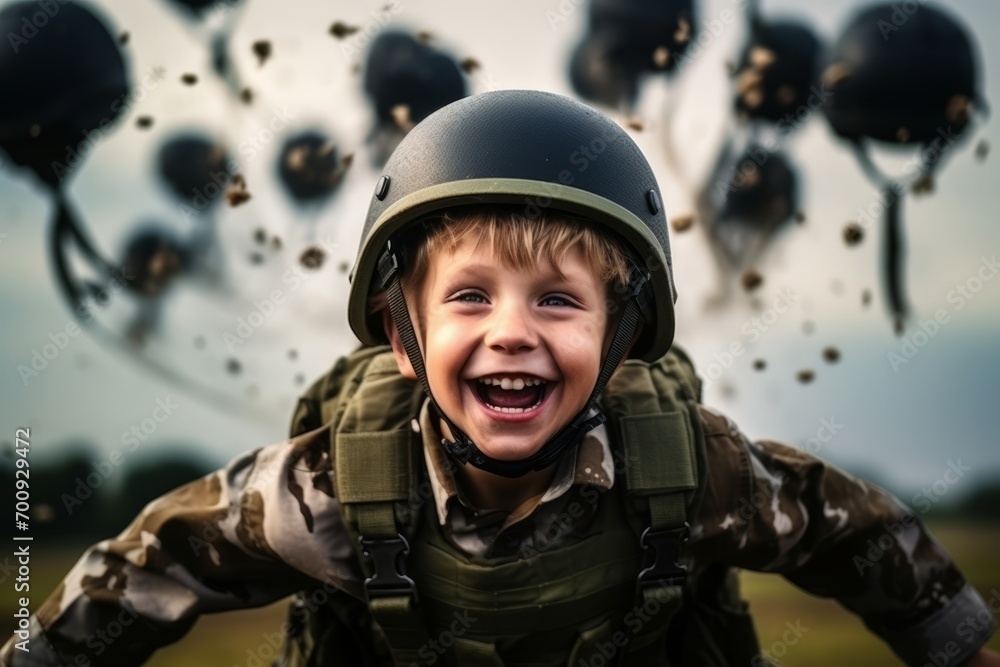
point(268, 525)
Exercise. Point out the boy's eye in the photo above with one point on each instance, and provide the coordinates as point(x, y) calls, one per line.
point(470, 297)
point(554, 300)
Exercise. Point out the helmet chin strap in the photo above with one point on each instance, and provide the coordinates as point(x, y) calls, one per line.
point(462, 449)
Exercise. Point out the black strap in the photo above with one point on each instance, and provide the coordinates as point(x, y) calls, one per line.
point(894, 246)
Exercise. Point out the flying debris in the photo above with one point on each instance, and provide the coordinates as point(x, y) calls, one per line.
point(341, 30)
point(853, 234)
point(262, 49)
point(752, 280)
point(237, 193)
point(312, 258)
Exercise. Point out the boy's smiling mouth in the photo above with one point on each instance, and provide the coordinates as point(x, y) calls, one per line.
point(511, 394)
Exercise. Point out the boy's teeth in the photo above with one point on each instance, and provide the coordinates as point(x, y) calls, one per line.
point(516, 384)
point(515, 410)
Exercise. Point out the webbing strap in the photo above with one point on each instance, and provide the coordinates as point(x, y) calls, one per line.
point(659, 444)
point(395, 609)
point(376, 520)
point(404, 628)
point(476, 653)
point(667, 511)
point(373, 467)
point(662, 443)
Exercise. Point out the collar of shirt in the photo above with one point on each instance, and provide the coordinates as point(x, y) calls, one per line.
point(589, 463)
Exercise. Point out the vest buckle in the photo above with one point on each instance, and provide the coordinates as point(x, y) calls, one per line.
point(389, 558)
point(662, 557)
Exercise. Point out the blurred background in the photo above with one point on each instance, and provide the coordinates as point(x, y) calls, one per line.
point(183, 184)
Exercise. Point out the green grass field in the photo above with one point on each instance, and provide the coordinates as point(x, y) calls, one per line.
point(834, 637)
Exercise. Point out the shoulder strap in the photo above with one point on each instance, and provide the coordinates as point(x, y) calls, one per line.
point(655, 408)
point(369, 405)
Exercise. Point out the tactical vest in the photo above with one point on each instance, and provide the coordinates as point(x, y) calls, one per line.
point(609, 598)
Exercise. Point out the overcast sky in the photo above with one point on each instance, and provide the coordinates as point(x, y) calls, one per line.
point(905, 422)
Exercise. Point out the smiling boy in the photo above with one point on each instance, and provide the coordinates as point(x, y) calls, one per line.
point(507, 473)
point(517, 327)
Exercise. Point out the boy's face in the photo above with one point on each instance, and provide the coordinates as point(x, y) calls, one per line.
point(491, 333)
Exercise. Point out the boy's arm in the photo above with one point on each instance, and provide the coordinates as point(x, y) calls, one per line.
point(772, 508)
point(261, 528)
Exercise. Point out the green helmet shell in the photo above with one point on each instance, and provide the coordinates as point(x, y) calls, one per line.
point(530, 148)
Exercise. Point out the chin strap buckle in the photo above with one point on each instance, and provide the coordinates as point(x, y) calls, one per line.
point(663, 549)
point(461, 453)
point(388, 265)
point(389, 557)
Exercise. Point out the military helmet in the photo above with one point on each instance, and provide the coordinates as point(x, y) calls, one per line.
point(524, 148)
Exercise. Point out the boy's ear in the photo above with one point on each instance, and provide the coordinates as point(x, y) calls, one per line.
point(398, 351)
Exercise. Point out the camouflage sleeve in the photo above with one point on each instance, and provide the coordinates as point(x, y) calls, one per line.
point(772, 508)
point(247, 535)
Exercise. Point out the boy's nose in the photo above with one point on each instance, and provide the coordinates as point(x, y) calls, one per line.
point(510, 330)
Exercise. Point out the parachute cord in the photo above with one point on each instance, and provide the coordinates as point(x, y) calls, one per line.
point(895, 275)
point(57, 242)
point(64, 228)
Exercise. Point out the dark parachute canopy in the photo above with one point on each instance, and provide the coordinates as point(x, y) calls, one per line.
point(195, 7)
point(310, 167)
point(194, 168)
point(626, 39)
point(153, 256)
point(406, 81)
point(71, 83)
point(777, 71)
point(754, 193)
point(902, 78)
point(402, 71)
point(899, 78)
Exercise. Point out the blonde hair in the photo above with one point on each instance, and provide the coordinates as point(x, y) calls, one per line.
point(518, 241)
